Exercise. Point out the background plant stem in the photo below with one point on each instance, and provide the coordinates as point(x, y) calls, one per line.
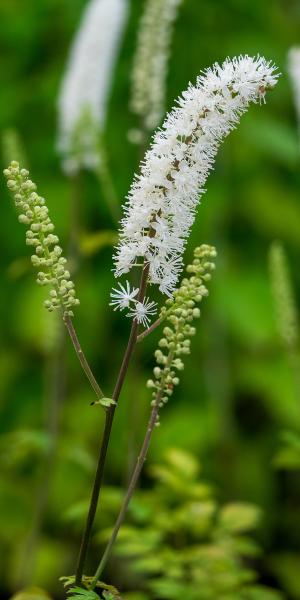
point(107, 185)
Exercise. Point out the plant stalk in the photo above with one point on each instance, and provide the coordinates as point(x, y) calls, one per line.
point(152, 327)
point(133, 481)
point(107, 432)
point(81, 356)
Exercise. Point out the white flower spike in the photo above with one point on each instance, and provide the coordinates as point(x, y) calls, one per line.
point(294, 71)
point(86, 85)
point(123, 297)
point(163, 199)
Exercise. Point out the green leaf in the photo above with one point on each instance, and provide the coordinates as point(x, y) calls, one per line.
point(78, 593)
point(238, 517)
point(67, 580)
point(87, 581)
point(183, 462)
point(106, 402)
point(111, 595)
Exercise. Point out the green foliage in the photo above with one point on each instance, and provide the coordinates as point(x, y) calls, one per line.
point(18, 448)
point(288, 454)
point(78, 593)
point(107, 402)
point(109, 592)
point(187, 545)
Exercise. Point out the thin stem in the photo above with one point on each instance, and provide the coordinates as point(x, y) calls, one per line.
point(81, 356)
point(76, 189)
point(145, 333)
point(106, 434)
point(134, 479)
point(107, 185)
point(293, 358)
point(129, 493)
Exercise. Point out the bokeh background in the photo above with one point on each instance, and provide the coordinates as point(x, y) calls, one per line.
point(239, 390)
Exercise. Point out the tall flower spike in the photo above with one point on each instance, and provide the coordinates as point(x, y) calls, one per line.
point(294, 71)
point(48, 254)
point(86, 85)
point(180, 312)
point(149, 71)
point(164, 197)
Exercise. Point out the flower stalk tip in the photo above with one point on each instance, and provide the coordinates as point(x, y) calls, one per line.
point(149, 73)
point(180, 312)
point(47, 256)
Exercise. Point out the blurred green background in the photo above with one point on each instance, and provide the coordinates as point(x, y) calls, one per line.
point(238, 390)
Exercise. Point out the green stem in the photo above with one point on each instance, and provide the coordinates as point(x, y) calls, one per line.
point(106, 434)
point(107, 185)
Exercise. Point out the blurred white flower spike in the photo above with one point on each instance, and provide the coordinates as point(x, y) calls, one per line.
point(150, 65)
point(294, 71)
point(162, 202)
point(86, 85)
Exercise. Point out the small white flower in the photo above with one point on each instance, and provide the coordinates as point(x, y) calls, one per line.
point(121, 298)
point(142, 311)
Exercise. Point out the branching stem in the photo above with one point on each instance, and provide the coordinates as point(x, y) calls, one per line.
point(107, 432)
point(134, 478)
point(81, 356)
point(152, 327)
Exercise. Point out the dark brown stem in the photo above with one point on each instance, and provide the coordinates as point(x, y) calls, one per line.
point(106, 434)
point(149, 330)
point(134, 479)
point(81, 356)
point(129, 493)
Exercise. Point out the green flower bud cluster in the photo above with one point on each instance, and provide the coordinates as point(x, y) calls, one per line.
point(40, 234)
point(180, 312)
